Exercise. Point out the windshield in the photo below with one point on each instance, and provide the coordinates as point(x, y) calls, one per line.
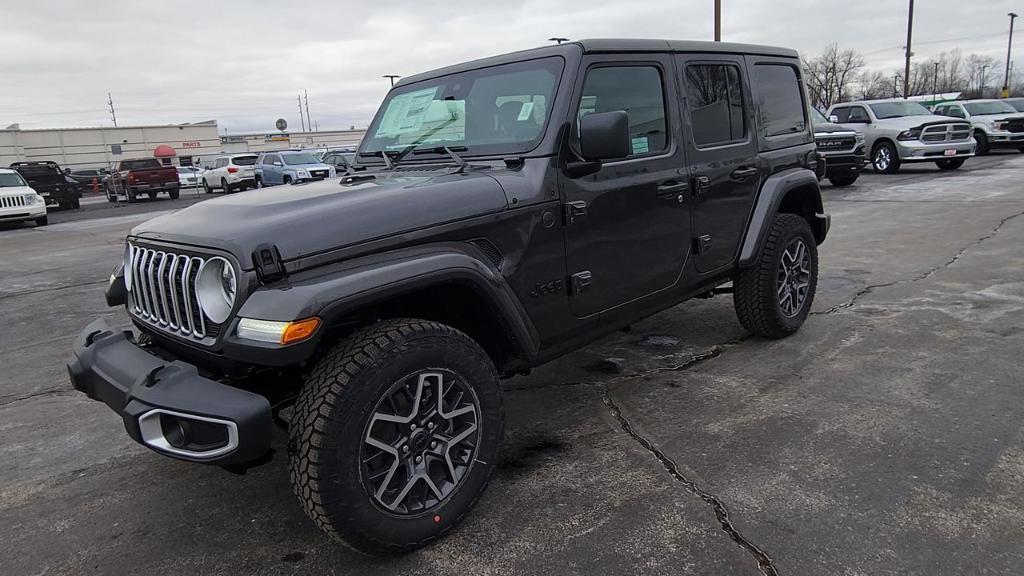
point(244, 160)
point(496, 110)
point(1018, 104)
point(187, 169)
point(817, 117)
point(296, 159)
point(11, 180)
point(885, 110)
point(986, 108)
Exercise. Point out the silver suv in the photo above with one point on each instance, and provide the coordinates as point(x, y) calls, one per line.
point(898, 131)
point(996, 124)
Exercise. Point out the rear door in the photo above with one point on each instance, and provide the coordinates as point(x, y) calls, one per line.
point(721, 146)
point(627, 231)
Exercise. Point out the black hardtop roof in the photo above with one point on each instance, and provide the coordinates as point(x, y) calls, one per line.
point(608, 45)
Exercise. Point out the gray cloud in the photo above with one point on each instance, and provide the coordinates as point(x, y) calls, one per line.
point(244, 62)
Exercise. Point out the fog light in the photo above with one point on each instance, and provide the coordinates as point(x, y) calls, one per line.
point(275, 332)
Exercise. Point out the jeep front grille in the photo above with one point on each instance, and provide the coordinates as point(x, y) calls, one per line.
point(163, 292)
point(12, 201)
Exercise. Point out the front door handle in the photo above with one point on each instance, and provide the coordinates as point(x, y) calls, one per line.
point(743, 173)
point(672, 188)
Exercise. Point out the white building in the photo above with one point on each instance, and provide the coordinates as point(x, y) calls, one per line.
point(100, 147)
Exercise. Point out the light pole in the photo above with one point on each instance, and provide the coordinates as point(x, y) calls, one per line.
point(392, 78)
point(1009, 49)
point(981, 88)
point(558, 39)
point(718, 20)
point(935, 85)
point(906, 69)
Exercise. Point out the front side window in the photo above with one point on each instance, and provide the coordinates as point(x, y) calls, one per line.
point(842, 114)
point(496, 110)
point(638, 91)
point(858, 114)
point(11, 180)
point(885, 110)
point(714, 96)
point(780, 100)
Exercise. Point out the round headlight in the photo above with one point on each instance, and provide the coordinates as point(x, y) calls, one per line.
point(129, 254)
point(216, 287)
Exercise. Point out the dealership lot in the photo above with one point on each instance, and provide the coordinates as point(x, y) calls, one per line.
point(884, 437)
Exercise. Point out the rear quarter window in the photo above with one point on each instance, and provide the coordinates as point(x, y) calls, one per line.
point(781, 108)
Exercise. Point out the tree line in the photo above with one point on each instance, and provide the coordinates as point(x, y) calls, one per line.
point(838, 75)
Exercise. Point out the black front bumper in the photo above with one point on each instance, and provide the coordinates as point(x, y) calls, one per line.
point(144, 389)
point(838, 165)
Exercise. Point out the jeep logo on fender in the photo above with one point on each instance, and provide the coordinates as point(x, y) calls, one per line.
point(546, 288)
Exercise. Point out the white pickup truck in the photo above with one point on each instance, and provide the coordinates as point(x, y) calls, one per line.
point(995, 123)
point(898, 131)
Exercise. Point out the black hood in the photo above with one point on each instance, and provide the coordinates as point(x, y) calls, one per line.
point(828, 128)
point(303, 219)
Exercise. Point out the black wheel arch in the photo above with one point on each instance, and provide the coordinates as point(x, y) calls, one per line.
point(452, 283)
point(794, 191)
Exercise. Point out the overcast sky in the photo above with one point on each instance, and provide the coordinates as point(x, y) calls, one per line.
point(242, 62)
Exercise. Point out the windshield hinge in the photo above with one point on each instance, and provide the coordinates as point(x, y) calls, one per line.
point(267, 261)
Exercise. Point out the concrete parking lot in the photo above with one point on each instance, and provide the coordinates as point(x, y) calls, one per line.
point(884, 438)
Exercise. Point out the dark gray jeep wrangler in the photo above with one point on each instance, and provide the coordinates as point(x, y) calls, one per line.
point(505, 211)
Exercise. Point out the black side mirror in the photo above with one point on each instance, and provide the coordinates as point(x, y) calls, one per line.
point(604, 136)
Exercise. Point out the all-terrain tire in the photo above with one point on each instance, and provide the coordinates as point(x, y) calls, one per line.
point(756, 288)
point(842, 181)
point(334, 413)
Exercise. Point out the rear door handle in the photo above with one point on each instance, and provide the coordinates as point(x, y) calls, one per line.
point(672, 188)
point(744, 173)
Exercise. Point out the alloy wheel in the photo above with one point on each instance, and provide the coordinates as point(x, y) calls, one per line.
point(882, 158)
point(794, 277)
point(420, 442)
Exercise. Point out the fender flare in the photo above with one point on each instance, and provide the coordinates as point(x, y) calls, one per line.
point(332, 291)
point(773, 191)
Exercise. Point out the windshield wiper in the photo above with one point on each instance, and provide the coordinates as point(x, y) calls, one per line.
point(383, 154)
point(449, 150)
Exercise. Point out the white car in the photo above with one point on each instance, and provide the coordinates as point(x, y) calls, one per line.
point(995, 123)
point(188, 176)
point(19, 202)
point(229, 173)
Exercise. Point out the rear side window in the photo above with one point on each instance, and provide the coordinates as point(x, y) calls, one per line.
point(714, 96)
point(637, 90)
point(780, 99)
point(243, 160)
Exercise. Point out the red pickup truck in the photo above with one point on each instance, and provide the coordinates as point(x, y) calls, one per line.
point(132, 178)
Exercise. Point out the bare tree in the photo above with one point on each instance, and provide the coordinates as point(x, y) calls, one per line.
point(831, 75)
point(875, 84)
point(980, 71)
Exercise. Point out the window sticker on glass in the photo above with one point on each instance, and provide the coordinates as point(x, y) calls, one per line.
point(406, 112)
point(641, 145)
point(524, 113)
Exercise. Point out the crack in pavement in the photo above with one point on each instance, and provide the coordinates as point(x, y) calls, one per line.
point(923, 276)
point(764, 562)
point(49, 392)
point(53, 289)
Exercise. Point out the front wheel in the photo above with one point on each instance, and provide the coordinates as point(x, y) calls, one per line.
point(773, 296)
point(259, 183)
point(885, 158)
point(982, 143)
point(842, 181)
point(206, 187)
point(395, 435)
point(951, 164)
point(42, 221)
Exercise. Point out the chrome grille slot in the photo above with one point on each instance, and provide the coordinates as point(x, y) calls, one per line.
point(163, 292)
point(12, 201)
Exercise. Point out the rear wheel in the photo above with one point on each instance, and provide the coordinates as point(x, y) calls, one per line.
point(287, 179)
point(225, 186)
point(951, 164)
point(174, 192)
point(396, 434)
point(152, 195)
point(982, 141)
point(111, 195)
point(841, 181)
point(130, 194)
point(885, 158)
point(773, 296)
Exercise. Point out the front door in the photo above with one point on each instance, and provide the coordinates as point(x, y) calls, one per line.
point(722, 148)
point(627, 227)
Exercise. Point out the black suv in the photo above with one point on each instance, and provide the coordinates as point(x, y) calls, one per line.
point(511, 210)
point(50, 182)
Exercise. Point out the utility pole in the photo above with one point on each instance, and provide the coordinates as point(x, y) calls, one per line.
point(935, 85)
point(309, 123)
point(301, 118)
point(110, 103)
point(392, 78)
point(1009, 50)
point(718, 20)
point(906, 67)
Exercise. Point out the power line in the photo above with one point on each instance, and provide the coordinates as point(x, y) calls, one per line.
point(942, 41)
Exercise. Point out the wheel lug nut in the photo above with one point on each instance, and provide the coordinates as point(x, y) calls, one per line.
point(430, 425)
point(405, 448)
point(433, 444)
point(419, 459)
point(412, 427)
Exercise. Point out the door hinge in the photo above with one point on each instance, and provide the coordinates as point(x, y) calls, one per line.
point(702, 244)
point(701, 185)
point(580, 282)
point(573, 210)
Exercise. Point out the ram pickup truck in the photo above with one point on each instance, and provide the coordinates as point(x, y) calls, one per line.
point(50, 182)
point(841, 148)
point(132, 178)
point(996, 124)
point(900, 131)
point(509, 210)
